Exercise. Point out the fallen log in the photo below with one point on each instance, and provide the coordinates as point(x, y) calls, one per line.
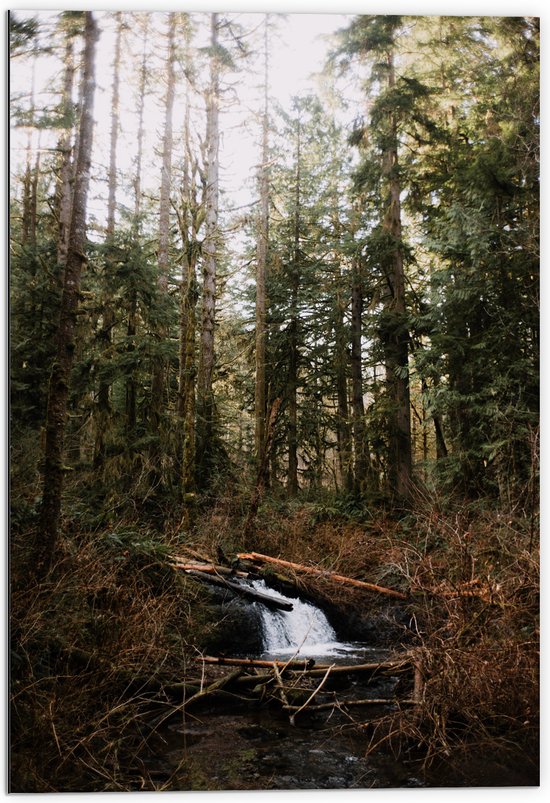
point(216, 686)
point(244, 591)
point(308, 666)
point(337, 578)
point(303, 665)
point(209, 568)
point(381, 666)
point(348, 703)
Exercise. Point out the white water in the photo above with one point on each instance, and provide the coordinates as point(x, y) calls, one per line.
point(303, 631)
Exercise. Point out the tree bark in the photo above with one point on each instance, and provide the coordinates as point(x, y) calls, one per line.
point(205, 398)
point(60, 377)
point(188, 320)
point(358, 407)
point(131, 383)
point(63, 189)
point(103, 411)
point(160, 367)
point(261, 269)
point(343, 431)
point(395, 334)
point(293, 358)
point(338, 578)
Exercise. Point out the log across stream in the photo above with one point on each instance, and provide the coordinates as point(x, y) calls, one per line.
point(297, 712)
point(292, 716)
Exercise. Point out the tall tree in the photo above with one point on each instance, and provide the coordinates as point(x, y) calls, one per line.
point(63, 190)
point(260, 387)
point(294, 322)
point(375, 39)
point(131, 331)
point(60, 378)
point(160, 367)
point(189, 219)
point(108, 314)
point(394, 328)
point(210, 249)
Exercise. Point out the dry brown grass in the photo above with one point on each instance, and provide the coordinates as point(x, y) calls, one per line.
point(92, 648)
point(94, 644)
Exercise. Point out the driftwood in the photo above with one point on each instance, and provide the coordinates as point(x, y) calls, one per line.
point(308, 666)
point(337, 578)
point(297, 709)
point(304, 665)
point(347, 703)
point(208, 568)
point(216, 686)
point(294, 686)
point(244, 591)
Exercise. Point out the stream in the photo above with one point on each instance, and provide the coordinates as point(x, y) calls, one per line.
point(257, 747)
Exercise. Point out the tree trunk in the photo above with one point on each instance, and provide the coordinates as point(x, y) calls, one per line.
point(160, 367)
point(131, 383)
point(261, 269)
point(103, 411)
point(337, 578)
point(205, 398)
point(395, 334)
point(63, 190)
point(188, 323)
point(343, 433)
point(27, 235)
point(59, 381)
point(293, 357)
point(360, 447)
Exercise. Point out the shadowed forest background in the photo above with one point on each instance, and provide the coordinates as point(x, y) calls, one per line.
point(305, 325)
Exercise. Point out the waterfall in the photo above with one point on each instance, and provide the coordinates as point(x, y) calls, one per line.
point(304, 630)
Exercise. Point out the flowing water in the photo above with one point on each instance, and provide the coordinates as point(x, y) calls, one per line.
point(257, 747)
point(304, 632)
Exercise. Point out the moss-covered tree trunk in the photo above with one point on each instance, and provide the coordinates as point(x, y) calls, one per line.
point(59, 382)
point(395, 335)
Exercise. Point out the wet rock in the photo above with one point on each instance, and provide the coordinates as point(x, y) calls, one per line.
point(235, 624)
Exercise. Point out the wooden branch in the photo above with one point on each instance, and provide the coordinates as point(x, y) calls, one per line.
point(311, 696)
point(308, 666)
point(337, 704)
point(280, 687)
point(347, 669)
point(304, 665)
point(209, 568)
point(418, 692)
point(244, 591)
point(337, 578)
point(217, 685)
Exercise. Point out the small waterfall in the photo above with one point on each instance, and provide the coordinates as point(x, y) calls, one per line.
point(304, 630)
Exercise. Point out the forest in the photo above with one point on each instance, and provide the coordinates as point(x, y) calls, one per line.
point(272, 329)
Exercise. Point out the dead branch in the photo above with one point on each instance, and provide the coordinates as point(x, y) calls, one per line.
point(244, 591)
point(337, 578)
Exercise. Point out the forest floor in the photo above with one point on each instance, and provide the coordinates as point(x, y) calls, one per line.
point(98, 645)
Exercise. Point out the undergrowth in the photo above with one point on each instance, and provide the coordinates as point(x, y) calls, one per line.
point(93, 646)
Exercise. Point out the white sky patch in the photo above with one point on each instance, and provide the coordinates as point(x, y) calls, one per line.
point(298, 49)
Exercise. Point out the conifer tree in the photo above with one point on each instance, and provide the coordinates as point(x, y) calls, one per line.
point(60, 377)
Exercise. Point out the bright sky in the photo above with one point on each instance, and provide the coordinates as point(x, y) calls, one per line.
point(297, 49)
